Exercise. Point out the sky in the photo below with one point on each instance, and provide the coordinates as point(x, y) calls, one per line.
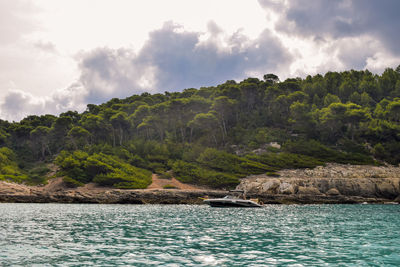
point(60, 55)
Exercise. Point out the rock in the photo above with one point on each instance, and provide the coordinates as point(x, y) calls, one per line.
point(308, 190)
point(252, 187)
point(386, 188)
point(286, 188)
point(270, 186)
point(333, 192)
point(333, 183)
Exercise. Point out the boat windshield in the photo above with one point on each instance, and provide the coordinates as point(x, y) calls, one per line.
point(230, 197)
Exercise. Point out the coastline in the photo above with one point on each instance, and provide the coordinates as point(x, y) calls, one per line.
point(176, 196)
point(332, 184)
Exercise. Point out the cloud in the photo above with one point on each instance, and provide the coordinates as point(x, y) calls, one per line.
point(358, 33)
point(18, 104)
point(47, 47)
point(173, 59)
point(341, 18)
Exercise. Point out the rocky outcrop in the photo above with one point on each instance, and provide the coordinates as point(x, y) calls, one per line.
point(333, 183)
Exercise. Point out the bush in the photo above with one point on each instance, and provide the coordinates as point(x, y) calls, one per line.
point(103, 169)
point(323, 153)
point(137, 161)
point(273, 174)
point(195, 174)
point(165, 175)
point(229, 163)
point(9, 169)
point(156, 167)
point(35, 179)
point(40, 170)
point(169, 186)
point(72, 182)
point(286, 160)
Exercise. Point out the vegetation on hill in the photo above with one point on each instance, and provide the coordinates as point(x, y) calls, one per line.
point(213, 135)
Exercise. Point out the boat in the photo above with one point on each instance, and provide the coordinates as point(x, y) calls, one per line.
point(235, 198)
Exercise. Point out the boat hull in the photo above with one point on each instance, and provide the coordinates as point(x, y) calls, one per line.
point(221, 203)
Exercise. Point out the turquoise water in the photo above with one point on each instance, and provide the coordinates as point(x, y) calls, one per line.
point(173, 235)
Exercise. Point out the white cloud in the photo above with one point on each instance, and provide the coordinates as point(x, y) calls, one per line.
point(18, 104)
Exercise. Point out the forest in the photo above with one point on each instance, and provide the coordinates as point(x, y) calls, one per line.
point(212, 136)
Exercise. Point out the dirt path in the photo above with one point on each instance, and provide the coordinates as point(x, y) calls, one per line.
point(160, 183)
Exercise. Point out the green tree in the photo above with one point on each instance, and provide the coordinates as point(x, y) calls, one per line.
point(78, 136)
point(40, 136)
point(207, 123)
point(224, 108)
point(120, 124)
point(329, 99)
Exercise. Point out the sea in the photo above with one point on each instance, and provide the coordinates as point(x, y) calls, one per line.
point(198, 235)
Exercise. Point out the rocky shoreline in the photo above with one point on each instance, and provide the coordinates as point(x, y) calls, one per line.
point(57, 192)
point(332, 184)
point(171, 196)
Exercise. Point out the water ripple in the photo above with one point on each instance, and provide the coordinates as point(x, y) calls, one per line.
point(171, 235)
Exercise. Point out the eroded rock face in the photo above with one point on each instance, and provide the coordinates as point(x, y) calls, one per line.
point(333, 192)
point(286, 188)
point(308, 190)
point(334, 181)
point(364, 187)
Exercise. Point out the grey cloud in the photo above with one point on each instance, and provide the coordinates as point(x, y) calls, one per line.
point(173, 59)
point(46, 47)
point(108, 73)
point(355, 53)
point(341, 18)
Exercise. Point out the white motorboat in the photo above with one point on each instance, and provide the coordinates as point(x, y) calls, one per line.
point(233, 200)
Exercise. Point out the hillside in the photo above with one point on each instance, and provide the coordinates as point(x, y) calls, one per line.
point(212, 136)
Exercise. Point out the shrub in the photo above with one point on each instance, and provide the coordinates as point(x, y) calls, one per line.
point(103, 169)
point(9, 169)
point(169, 186)
point(165, 175)
point(137, 161)
point(286, 160)
point(229, 163)
point(195, 174)
point(71, 182)
point(35, 179)
point(323, 153)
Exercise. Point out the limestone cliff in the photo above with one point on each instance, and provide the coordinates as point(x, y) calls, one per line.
point(333, 183)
